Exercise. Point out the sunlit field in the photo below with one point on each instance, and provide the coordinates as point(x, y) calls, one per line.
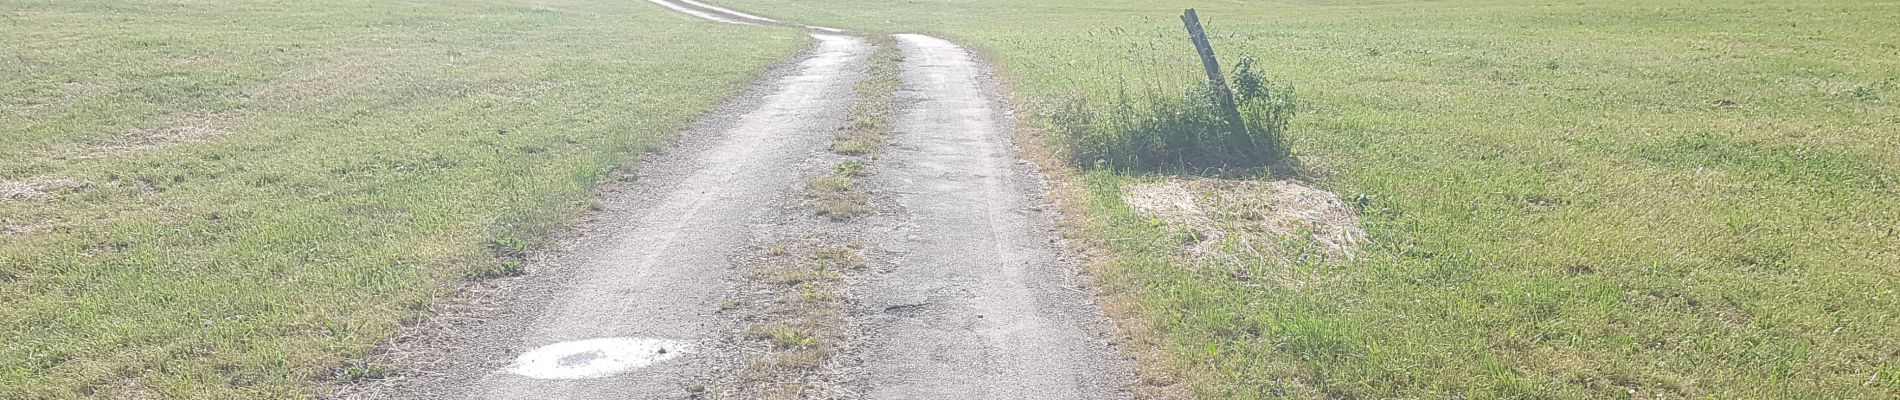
point(1622, 199)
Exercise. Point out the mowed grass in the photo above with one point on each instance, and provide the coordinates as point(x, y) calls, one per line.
point(228, 199)
point(1612, 199)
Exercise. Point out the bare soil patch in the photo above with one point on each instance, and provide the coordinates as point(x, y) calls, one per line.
point(40, 189)
point(21, 228)
point(188, 128)
point(1259, 211)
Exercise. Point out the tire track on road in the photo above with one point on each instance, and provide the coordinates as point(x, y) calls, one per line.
point(982, 300)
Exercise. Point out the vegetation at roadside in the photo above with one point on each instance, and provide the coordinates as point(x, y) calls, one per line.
point(229, 199)
point(1612, 199)
point(1176, 126)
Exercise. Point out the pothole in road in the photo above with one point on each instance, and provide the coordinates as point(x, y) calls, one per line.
point(595, 358)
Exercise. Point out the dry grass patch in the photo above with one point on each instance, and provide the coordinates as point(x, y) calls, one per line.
point(792, 274)
point(837, 197)
point(1224, 216)
point(189, 128)
point(803, 323)
point(21, 228)
point(802, 319)
point(40, 189)
point(866, 130)
point(803, 336)
point(823, 264)
point(802, 359)
point(847, 257)
point(786, 337)
point(861, 136)
point(869, 123)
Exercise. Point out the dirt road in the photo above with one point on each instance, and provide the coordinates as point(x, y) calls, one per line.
point(972, 294)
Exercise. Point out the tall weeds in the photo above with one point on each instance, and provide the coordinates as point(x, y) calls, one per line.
point(1146, 124)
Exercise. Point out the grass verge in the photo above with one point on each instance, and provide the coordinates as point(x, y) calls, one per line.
point(228, 200)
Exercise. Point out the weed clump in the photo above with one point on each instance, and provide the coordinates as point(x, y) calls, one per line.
point(837, 197)
point(1185, 129)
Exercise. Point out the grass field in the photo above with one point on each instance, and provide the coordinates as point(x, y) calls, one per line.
point(1616, 199)
point(227, 199)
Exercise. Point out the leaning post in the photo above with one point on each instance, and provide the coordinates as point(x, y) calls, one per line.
point(1223, 96)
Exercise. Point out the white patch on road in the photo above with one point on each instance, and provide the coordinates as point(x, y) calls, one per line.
point(594, 358)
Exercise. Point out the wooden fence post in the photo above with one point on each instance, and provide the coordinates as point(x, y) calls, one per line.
point(1223, 96)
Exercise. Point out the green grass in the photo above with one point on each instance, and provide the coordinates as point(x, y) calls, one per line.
point(1580, 200)
point(250, 193)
